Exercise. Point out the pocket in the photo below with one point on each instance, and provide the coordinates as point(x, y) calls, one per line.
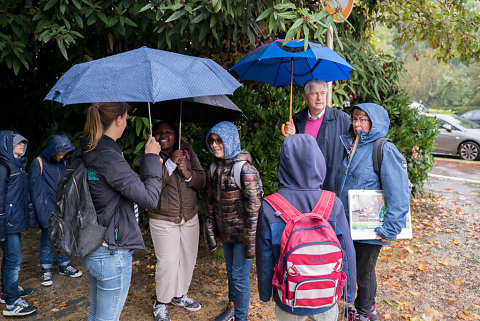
point(314, 293)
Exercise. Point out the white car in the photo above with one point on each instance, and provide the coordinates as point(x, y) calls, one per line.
point(457, 136)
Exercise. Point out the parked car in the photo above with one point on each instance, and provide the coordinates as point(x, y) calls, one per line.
point(457, 136)
point(472, 115)
point(419, 106)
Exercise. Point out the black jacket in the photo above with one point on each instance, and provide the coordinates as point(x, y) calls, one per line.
point(114, 187)
point(335, 123)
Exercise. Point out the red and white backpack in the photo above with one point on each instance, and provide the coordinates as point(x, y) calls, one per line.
point(309, 272)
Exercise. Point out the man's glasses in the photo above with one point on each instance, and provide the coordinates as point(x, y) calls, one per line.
point(360, 120)
point(215, 140)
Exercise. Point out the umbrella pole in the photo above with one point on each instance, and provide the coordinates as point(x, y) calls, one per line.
point(150, 118)
point(291, 98)
point(180, 126)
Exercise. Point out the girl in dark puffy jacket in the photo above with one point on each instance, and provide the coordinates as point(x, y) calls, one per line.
point(114, 188)
point(231, 211)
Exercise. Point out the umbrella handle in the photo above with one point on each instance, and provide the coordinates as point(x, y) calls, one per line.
point(291, 97)
point(283, 131)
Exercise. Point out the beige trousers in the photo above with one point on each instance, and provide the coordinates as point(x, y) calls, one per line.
point(176, 248)
point(330, 315)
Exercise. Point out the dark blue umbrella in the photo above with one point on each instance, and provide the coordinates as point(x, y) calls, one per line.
point(279, 65)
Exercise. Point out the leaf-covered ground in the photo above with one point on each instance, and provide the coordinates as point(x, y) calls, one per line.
point(434, 276)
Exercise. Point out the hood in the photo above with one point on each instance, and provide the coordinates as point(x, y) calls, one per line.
point(8, 139)
point(229, 134)
point(302, 165)
point(57, 143)
point(379, 118)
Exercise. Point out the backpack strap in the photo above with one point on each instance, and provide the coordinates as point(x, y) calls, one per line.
point(282, 207)
point(41, 164)
point(378, 154)
point(237, 172)
point(325, 204)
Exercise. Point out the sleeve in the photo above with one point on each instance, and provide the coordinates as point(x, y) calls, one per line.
point(339, 222)
point(36, 189)
point(123, 179)
point(209, 220)
point(198, 174)
point(264, 256)
point(394, 179)
point(252, 193)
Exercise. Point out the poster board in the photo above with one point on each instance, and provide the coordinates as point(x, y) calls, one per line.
point(367, 210)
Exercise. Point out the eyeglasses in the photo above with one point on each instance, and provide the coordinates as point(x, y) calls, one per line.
point(360, 120)
point(215, 140)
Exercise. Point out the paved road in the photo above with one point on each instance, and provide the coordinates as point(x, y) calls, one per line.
point(451, 176)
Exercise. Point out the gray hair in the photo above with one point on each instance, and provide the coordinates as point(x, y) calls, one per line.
point(311, 82)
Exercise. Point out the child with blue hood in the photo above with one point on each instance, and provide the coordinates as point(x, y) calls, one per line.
point(44, 174)
point(231, 210)
point(369, 123)
point(16, 216)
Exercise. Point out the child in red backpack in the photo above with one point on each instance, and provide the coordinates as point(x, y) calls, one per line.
point(301, 172)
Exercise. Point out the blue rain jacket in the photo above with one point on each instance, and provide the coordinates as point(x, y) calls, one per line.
point(359, 174)
point(16, 211)
point(301, 173)
point(43, 181)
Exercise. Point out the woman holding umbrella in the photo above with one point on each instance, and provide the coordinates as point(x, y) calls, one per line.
point(174, 223)
point(114, 188)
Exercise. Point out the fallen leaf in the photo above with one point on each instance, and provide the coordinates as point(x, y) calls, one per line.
point(435, 313)
point(208, 280)
point(443, 262)
point(421, 267)
point(459, 282)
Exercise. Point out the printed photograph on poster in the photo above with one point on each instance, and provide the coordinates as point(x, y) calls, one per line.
point(367, 211)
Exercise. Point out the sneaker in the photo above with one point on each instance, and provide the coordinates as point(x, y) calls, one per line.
point(160, 312)
point(70, 271)
point(21, 293)
point(19, 308)
point(373, 315)
point(46, 278)
point(228, 314)
point(185, 302)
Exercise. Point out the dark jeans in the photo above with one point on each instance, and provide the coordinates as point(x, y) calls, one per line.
point(367, 255)
point(12, 259)
point(46, 256)
point(238, 274)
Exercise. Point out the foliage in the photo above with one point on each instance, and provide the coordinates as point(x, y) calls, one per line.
point(39, 37)
point(450, 27)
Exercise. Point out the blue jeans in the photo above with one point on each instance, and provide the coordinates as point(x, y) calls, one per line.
point(238, 273)
point(46, 256)
point(109, 275)
point(12, 259)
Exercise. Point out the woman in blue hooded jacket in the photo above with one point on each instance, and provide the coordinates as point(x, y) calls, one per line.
point(44, 175)
point(301, 172)
point(369, 123)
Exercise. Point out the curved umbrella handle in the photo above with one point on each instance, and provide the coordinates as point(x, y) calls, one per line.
point(283, 131)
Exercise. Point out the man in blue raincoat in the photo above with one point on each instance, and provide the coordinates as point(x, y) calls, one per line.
point(16, 216)
point(44, 174)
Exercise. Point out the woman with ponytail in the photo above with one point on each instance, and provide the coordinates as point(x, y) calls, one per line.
point(115, 188)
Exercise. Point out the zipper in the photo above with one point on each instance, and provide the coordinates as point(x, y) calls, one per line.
point(59, 223)
point(10, 214)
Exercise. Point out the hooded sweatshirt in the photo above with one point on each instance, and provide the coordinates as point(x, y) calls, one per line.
point(44, 177)
point(16, 211)
point(301, 172)
point(357, 172)
point(230, 211)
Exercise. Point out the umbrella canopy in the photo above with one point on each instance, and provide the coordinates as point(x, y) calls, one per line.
point(142, 75)
point(211, 109)
point(272, 64)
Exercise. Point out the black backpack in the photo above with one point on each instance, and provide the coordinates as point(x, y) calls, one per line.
point(74, 229)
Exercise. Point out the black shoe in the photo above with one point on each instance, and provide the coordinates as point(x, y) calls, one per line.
point(228, 314)
point(160, 312)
